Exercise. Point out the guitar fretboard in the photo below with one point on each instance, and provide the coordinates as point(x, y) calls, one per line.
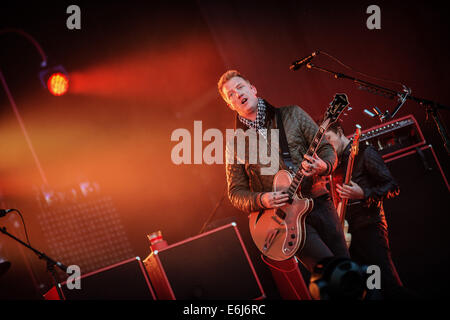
point(337, 106)
point(298, 178)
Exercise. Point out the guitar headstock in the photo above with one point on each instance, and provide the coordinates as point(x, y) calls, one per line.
point(356, 136)
point(337, 107)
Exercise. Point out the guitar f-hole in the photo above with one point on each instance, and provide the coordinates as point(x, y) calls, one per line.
point(280, 213)
point(277, 220)
point(269, 238)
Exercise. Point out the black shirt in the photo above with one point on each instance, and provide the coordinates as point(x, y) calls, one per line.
point(374, 178)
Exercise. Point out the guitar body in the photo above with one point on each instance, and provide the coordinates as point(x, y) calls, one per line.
point(341, 209)
point(279, 233)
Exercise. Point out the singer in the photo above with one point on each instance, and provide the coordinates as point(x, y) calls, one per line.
point(250, 191)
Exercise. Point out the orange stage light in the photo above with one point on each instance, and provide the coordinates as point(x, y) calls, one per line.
point(58, 84)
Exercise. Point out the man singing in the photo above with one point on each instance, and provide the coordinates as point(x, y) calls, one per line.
point(250, 191)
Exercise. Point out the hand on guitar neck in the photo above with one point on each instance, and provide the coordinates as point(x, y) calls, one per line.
point(350, 191)
point(313, 165)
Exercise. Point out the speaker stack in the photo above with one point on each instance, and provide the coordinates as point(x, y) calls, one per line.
point(418, 218)
point(212, 265)
point(126, 280)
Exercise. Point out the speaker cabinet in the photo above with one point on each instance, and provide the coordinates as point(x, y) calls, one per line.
point(212, 265)
point(419, 221)
point(126, 280)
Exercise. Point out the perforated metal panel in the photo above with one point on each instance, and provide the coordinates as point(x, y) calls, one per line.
point(87, 232)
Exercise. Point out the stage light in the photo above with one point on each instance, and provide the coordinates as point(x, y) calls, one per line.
point(55, 79)
point(58, 84)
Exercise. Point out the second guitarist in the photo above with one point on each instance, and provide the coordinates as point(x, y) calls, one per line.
point(371, 183)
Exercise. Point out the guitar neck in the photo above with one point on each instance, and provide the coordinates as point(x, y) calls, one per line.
point(336, 108)
point(298, 178)
point(348, 176)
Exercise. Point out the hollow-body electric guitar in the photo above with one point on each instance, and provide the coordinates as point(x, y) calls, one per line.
point(280, 232)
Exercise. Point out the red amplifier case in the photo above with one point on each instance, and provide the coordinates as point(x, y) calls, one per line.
point(418, 220)
point(212, 265)
point(394, 137)
point(434, 160)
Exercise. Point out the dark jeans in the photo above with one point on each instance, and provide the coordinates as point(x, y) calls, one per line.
point(370, 246)
point(324, 234)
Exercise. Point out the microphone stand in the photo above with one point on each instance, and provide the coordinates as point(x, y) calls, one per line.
point(50, 262)
point(431, 107)
point(208, 220)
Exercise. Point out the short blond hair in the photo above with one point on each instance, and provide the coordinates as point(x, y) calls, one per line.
point(227, 76)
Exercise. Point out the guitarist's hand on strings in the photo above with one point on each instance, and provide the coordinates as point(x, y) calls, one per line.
point(313, 165)
point(352, 191)
point(274, 199)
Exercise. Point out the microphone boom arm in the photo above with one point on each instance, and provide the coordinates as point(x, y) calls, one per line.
point(432, 107)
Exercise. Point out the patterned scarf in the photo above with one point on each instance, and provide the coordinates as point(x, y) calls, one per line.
point(260, 117)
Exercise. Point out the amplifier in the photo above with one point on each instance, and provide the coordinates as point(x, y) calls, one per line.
point(212, 265)
point(394, 137)
point(126, 280)
point(418, 220)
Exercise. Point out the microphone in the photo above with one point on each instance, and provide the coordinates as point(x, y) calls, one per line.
point(3, 212)
point(300, 63)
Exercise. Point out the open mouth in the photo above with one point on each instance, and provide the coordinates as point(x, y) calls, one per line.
point(243, 101)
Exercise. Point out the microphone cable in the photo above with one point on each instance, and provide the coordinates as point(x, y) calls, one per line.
point(23, 223)
point(361, 73)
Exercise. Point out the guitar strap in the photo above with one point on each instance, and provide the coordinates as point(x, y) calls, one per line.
point(285, 154)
